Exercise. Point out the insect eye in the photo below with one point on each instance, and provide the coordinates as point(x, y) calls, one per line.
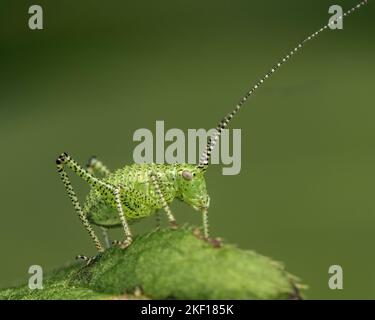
point(187, 175)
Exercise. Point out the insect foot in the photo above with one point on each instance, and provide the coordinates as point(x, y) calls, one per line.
point(88, 260)
point(173, 225)
point(122, 244)
point(215, 242)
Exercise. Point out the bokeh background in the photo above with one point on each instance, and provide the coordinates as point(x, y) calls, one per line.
point(101, 70)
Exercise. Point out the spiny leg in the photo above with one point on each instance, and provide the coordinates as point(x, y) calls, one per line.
point(165, 205)
point(96, 165)
point(98, 184)
point(158, 220)
point(120, 210)
point(215, 242)
point(205, 223)
point(60, 162)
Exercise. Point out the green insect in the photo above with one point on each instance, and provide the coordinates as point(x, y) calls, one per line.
point(140, 190)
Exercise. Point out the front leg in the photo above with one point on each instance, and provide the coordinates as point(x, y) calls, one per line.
point(205, 223)
point(215, 242)
point(156, 184)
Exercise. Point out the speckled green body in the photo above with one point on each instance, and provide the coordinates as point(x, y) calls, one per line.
point(138, 195)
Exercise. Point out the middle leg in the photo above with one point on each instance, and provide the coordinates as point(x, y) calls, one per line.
point(167, 209)
point(96, 165)
point(128, 236)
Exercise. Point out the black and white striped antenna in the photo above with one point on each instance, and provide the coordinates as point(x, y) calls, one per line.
point(206, 155)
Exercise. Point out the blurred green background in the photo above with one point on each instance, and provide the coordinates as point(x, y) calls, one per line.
point(101, 70)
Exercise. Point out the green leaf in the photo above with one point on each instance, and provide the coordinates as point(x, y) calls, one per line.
point(169, 264)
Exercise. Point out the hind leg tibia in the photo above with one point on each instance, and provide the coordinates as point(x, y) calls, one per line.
point(61, 161)
point(156, 184)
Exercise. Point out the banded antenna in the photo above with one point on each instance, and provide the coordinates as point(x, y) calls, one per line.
point(206, 154)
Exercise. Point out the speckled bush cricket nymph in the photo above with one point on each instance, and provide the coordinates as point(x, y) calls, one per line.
point(140, 190)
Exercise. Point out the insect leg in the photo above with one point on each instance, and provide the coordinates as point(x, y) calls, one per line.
point(167, 210)
point(60, 162)
point(105, 237)
point(65, 159)
point(88, 260)
point(158, 220)
point(205, 223)
point(96, 165)
point(128, 235)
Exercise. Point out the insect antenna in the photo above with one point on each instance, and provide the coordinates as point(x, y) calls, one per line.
point(206, 154)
